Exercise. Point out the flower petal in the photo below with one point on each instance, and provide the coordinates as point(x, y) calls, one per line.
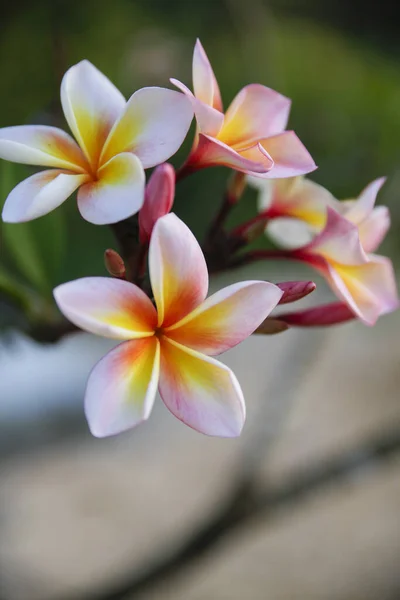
point(374, 228)
point(209, 120)
point(43, 146)
point(178, 270)
point(109, 307)
point(91, 105)
point(159, 197)
point(361, 208)
point(339, 241)
point(205, 85)
point(257, 112)
point(117, 194)
point(368, 289)
point(200, 391)
point(289, 232)
point(122, 386)
point(290, 156)
point(226, 318)
point(153, 126)
point(212, 152)
point(39, 194)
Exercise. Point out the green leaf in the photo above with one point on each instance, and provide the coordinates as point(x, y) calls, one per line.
point(14, 290)
point(19, 238)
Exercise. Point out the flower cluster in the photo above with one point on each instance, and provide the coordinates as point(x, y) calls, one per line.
point(170, 330)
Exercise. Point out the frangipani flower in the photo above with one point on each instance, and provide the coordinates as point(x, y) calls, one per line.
point(170, 346)
point(115, 141)
point(366, 283)
point(296, 209)
point(158, 199)
point(250, 136)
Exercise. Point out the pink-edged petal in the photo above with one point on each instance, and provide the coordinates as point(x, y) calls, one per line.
point(91, 105)
point(153, 126)
point(109, 307)
point(159, 197)
point(339, 241)
point(374, 228)
point(361, 208)
point(226, 318)
point(257, 112)
point(368, 289)
point(211, 152)
point(205, 85)
point(178, 270)
point(39, 194)
point(117, 194)
point(209, 120)
point(290, 156)
point(200, 391)
point(43, 146)
point(122, 386)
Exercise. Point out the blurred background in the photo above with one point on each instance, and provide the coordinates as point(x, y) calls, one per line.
point(82, 518)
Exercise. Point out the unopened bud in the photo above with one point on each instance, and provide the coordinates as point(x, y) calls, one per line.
point(114, 264)
point(295, 290)
point(319, 316)
point(158, 199)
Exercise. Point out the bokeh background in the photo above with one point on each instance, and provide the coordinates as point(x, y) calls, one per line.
point(80, 516)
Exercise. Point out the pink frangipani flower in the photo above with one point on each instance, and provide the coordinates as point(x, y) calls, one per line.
point(115, 141)
point(365, 282)
point(250, 136)
point(158, 199)
point(295, 210)
point(170, 345)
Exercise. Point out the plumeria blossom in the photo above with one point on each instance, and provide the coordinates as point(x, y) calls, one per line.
point(158, 199)
point(295, 210)
point(170, 345)
point(250, 136)
point(115, 141)
point(364, 282)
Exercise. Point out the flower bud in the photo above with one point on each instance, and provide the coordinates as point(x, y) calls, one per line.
point(158, 200)
point(114, 264)
point(295, 290)
point(319, 316)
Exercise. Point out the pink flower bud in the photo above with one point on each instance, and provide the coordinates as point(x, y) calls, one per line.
point(159, 197)
point(295, 290)
point(327, 314)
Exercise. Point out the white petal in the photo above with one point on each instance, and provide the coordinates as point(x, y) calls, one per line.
point(153, 126)
point(122, 386)
point(40, 194)
point(117, 194)
point(200, 391)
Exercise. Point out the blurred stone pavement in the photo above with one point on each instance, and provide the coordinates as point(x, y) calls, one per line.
point(81, 512)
